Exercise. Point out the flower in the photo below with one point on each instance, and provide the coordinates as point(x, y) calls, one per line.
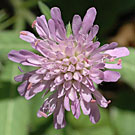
point(68, 67)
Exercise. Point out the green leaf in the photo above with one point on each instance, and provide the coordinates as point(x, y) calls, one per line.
point(128, 68)
point(69, 29)
point(123, 121)
point(44, 10)
point(14, 117)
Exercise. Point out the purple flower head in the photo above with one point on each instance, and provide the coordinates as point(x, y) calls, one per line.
point(68, 67)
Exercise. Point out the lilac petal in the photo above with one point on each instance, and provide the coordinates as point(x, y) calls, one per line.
point(60, 55)
point(34, 90)
point(46, 52)
point(27, 36)
point(71, 68)
point(100, 66)
point(68, 76)
point(34, 61)
point(22, 55)
point(59, 120)
point(107, 47)
point(85, 107)
point(91, 48)
point(67, 85)
point(41, 71)
point(96, 75)
point(118, 52)
point(69, 51)
point(100, 99)
point(59, 79)
point(20, 78)
point(93, 33)
point(79, 66)
point(76, 85)
point(113, 66)
point(79, 48)
point(97, 81)
point(77, 76)
point(56, 16)
point(42, 23)
point(88, 83)
point(66, 103)
point(48, 107)
point(73, 60)
point(75, 107)
point(52, 29)
point(88, 20)
point(76, 24)
point(22, 88)
point(61, 91)
point(81, 57)
point(72, 94)
point(85, 93)
point(94, 114)
point(35, 78)
point(111, 76)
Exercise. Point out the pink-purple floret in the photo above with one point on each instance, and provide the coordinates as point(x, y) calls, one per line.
point(68, 66)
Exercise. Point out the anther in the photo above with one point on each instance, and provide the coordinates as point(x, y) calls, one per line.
point(23, 33)
point(85, 59)
point(33, 24)
point(119, 62)
point(43, 114)
point(37, 42)
point(29, 86)
point(93, 101)
point(111, 60)
point(109, 101)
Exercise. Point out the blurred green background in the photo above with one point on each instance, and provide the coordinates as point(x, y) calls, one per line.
point(116, 19)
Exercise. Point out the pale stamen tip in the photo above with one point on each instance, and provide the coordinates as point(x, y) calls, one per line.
point(29, 86)
point(112, 60)
point(93, 101)
point(119, 62)
point(33, 24)
point(43, 114)
point(109, 101)
point(23, 33)
point(85, 59)
point(37, 42)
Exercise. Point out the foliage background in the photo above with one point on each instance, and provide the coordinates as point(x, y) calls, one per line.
point(116, 19)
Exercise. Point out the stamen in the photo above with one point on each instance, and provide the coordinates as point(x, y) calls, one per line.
point(109, 101)
point(23, 33)
point(119, 61)
point(37, 42)
point(112, 59)
point(20, 69)
point(33, 24)
point(93, 101)
point(85, 59)
point(106, 55)
point(43, 114)
point(29, 86)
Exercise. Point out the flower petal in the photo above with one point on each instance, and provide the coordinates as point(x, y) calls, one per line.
point(113, 66)
point(94, 114)
point(76, 24)
point(27, 36)
point(100, 99)
point(118, 52)
point(111, 76)
point(88, 20)
point(93, 33)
